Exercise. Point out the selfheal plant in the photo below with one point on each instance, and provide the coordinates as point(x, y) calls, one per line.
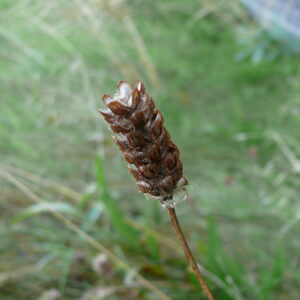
point(152, 157)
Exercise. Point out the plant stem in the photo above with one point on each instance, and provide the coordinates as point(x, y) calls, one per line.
point(188, 253)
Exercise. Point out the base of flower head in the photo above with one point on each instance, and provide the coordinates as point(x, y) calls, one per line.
point(166, 201)
point(170, 203)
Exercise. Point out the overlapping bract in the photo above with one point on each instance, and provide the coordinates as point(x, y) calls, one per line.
point(153, 159)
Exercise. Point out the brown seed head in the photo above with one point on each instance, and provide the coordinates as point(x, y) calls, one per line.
point(153, 159)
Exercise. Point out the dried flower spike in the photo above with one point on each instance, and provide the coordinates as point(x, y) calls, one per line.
point(153, 159)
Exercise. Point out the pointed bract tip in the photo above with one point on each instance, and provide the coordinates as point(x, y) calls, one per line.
point(121, 83)
point(106, 98)
point(103, 111)
point(106, 114)
point(140, 86)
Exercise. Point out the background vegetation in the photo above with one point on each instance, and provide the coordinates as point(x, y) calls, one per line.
point(66, 196)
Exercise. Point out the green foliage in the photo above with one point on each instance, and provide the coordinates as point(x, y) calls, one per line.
point(271, 278)
point(263, 46)
point(228, 270)
point(115, 214)
point(38, 208)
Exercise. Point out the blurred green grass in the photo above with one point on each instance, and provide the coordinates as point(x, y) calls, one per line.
point(236, 123)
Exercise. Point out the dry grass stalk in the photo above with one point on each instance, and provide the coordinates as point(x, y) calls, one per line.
point(153, 159)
